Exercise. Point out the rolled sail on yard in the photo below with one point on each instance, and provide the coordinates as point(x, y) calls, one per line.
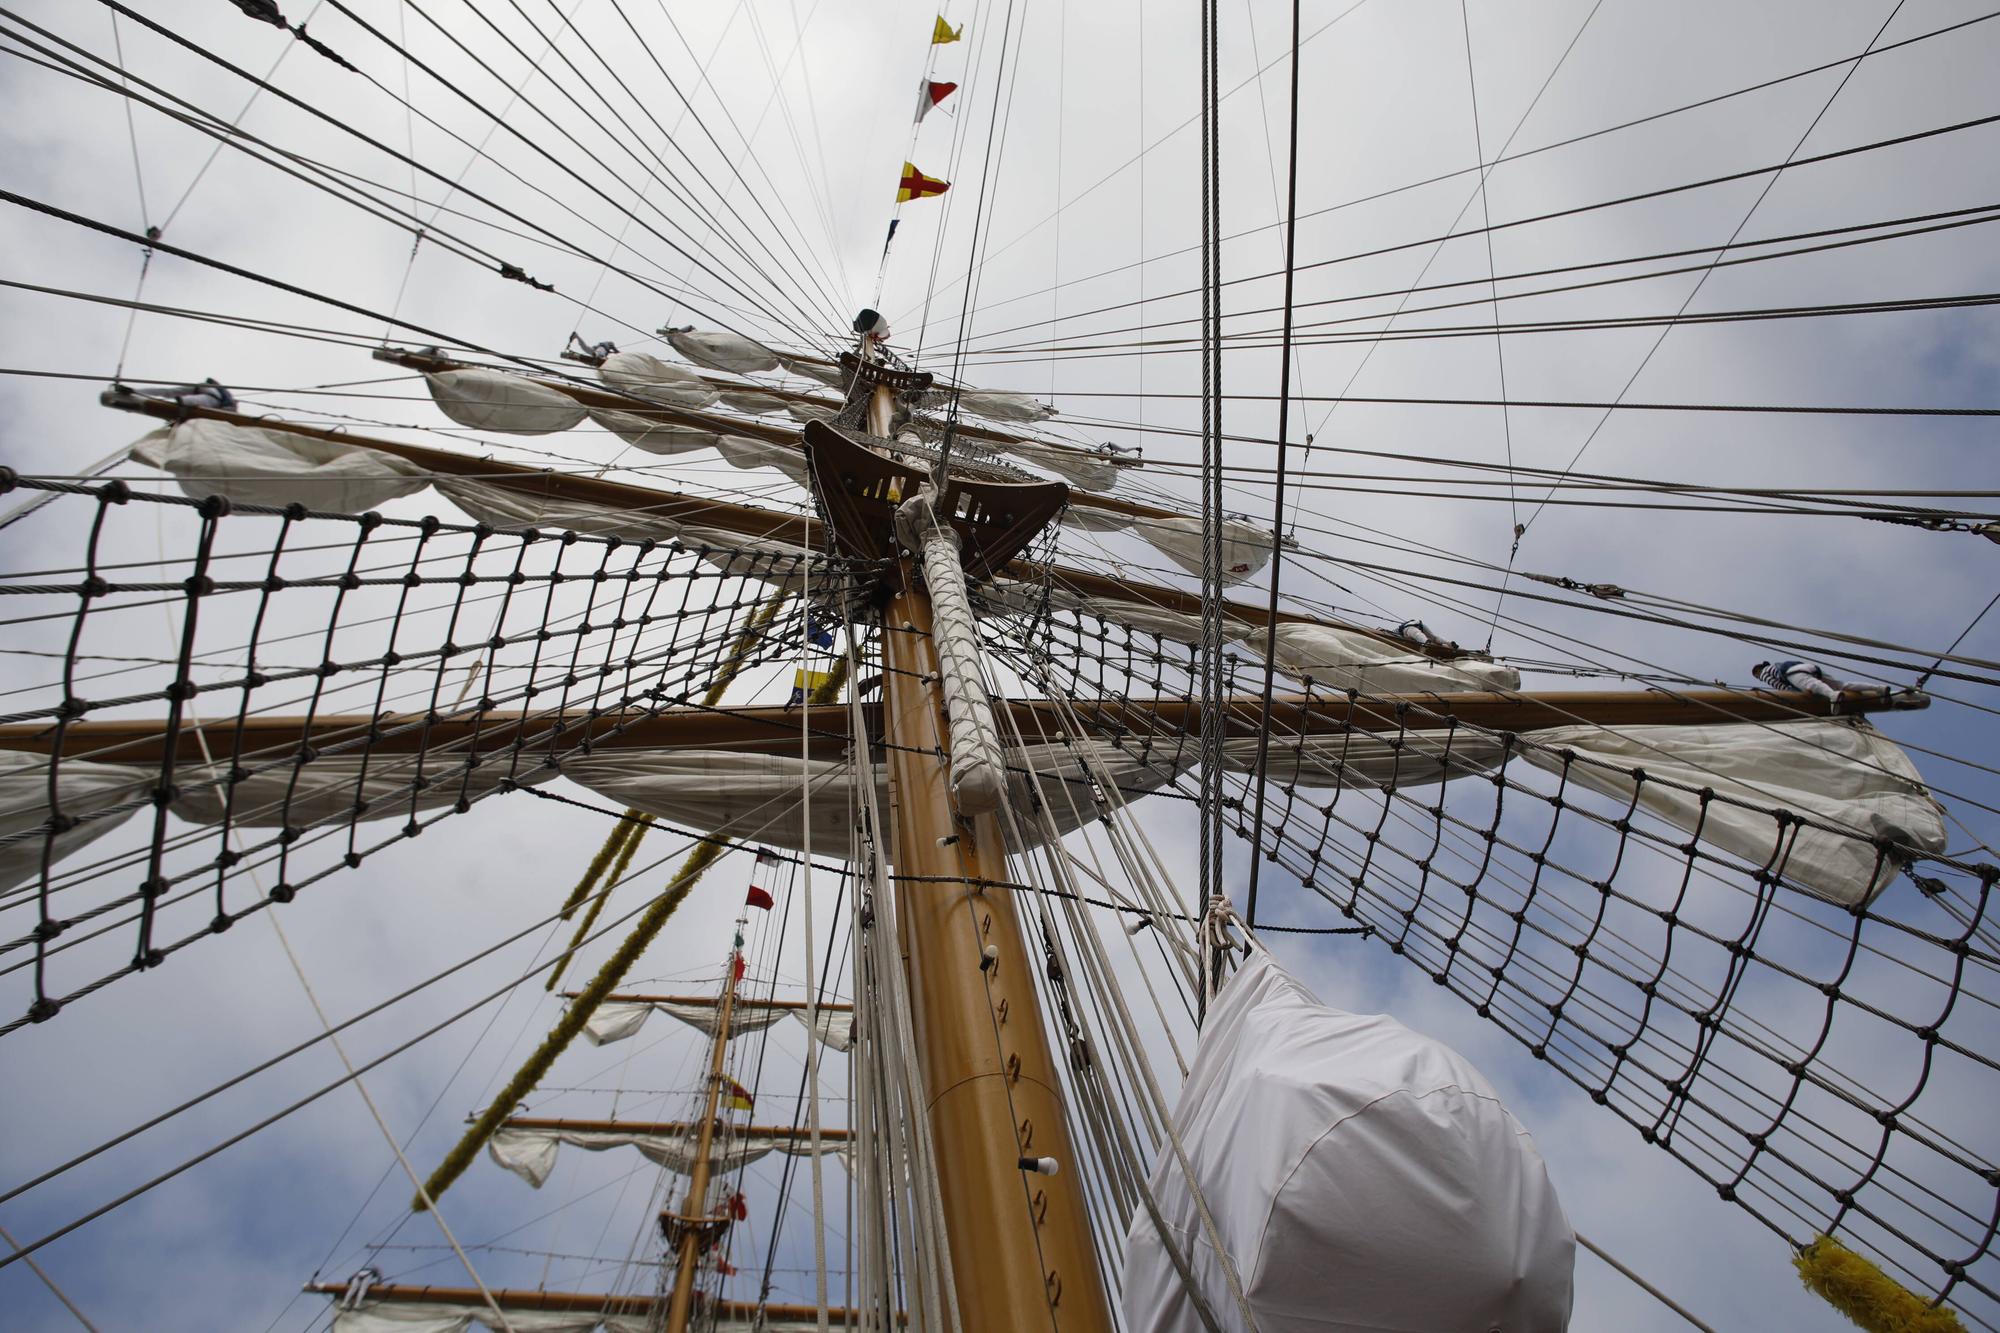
point(1362, 1179)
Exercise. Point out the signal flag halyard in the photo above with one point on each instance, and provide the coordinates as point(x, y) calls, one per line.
point(916, 185)
point(944, 32)
point(930, 95)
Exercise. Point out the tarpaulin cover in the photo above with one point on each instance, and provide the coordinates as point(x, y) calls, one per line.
point(1363, 1178)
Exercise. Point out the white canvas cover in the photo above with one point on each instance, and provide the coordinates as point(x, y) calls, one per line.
point(1078, 467)
point(826, 372)
point(717, 350)
point(655, 437)
point(1839, 771)
point(84, 787)
point(641, 376)
point(1246, 548)
point(776, 563)
point(755, 402)
point(372, 1316)
point(1364, 760)
point(511, 509)
point(531, 1153)
point(1363, 1178)
point(1343, 659)
point(1089, 518)
point(744, 452)
point(270, 466)
point(497, 401)
point(615, 1021)
point(997, 405)
point(756, 797)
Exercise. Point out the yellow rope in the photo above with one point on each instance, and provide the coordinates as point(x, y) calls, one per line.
point(637, 831)
point(620, 834)
point(1869, 1297)
point(537, 1065)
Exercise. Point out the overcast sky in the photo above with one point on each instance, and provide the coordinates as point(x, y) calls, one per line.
point(1091, 169)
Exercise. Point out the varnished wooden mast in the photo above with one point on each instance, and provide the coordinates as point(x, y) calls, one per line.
point(694, 1226)
point(1020, 1243)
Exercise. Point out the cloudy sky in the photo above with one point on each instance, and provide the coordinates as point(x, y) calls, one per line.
point(760, 203)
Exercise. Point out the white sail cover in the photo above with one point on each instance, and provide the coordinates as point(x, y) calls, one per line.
point(755, 402)
point(497, 401)
point(615, 1021)
point(655, 437)
point(1246, 548)
point(373, 1316)
point(1089, 518)
point(325, 789)
point(641, 376)
point(1079, 467)
point(826, 372)
point(444, 1317)
point(997, 405)
point(1363, 760)
point(779, 564)
point(270, 466)
point(756, 797)
point(508, 508)
point(83, 786)
point(1363, 1179)
point(717, 350)
point(1842, 772)
point(530, 1153)
point(1345, 659)
point(744, 452)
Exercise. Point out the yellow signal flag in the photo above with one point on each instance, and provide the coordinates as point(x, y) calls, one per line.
point(944, 32)
point(915, 185)
point(735, 1096)
point(805, 682)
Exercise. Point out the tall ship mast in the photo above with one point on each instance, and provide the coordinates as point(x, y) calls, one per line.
point(980, 834)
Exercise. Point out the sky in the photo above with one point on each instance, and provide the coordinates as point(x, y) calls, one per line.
point(1072, 157)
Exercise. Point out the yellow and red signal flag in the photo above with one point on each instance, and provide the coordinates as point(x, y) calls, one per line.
point(735, 1096)
point(916, 185)
point(931, 94)
point(944, 32)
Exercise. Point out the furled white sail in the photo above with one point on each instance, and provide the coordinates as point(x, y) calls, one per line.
point(835, 1029)
point(756, 797)
point(1840, 772)
point(744, 452)
point(1334, 658)
point(497, 401)
point(1246, 548)
point(655, 437)
point(271, 466)
point(755, 402)
point(777, 563)
point(445, 1317)
point(509, 507)
point(648, 377)
point(326, 789)
point(1359, 759)
point(530, 1153)
point(619, 1019)
point(1361, 1179)
point(1089, 518)
point(826, 372)
point(998, 405)
point(84, 787)
point(718, 350)
point(1079, 467)
point(811, 411)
